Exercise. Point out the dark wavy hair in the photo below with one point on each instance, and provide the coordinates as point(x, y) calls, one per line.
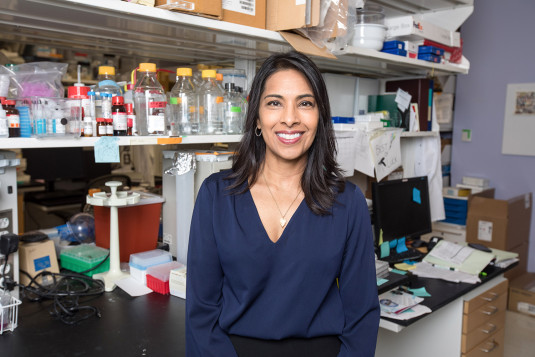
point(322, 178)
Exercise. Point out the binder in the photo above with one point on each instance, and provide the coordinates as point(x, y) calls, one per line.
point(421, 91)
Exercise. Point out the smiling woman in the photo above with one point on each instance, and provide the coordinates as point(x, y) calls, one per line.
point(280, 258)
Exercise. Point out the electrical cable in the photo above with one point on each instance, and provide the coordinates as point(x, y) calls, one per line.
point(66, 290)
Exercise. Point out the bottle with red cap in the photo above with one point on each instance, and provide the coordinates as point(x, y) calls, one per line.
point(130, 119)
point(80, 110)
point(13, 118)
point(119, 116)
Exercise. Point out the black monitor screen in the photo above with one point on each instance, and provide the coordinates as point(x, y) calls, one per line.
point(401, 208)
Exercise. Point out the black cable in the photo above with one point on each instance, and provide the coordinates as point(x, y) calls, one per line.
point(66, 291)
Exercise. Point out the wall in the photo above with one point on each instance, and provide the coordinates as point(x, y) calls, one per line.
point(498, 42)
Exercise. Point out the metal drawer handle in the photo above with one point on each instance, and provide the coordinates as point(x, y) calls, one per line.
point(494, 345)
point(492, 298)
point(491, 330)
point(494, 310)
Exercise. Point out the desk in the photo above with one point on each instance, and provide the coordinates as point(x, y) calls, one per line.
point(153, 325)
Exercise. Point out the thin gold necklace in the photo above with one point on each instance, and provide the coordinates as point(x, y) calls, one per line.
point(282, 220)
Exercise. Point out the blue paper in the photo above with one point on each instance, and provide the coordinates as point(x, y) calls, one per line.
point(421, 292)
point(401, 247)
point(416, 196)
point(397, 271)
point(385, 249)
point(107, 149)
point(393, 243)
point(381, 281)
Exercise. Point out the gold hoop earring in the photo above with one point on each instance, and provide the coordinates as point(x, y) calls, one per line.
point(256, 132)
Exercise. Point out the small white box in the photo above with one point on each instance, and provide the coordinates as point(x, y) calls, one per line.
point(177, 282)
point(476, 181)
point(451, 232)
point(414, 28)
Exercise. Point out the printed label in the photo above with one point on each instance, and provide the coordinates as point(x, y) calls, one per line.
point(484, 231)
point(13, 120)
point(246, 7)
point(156, 123)
point(119, 121)
point(41, 263)
point(526, 308)
point(102, 130)
point(157, 104)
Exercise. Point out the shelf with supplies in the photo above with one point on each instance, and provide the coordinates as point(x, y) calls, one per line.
point(129, 29)
point(26, 143)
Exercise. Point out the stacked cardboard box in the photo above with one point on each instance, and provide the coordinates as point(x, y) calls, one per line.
point(501, 224)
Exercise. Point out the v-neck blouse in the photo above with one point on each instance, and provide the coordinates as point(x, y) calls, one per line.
point(240, 282)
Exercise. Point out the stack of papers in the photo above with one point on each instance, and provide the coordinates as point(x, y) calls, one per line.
point(427, 270)
point(381, 269)
point(458, 257)
point(400, 305)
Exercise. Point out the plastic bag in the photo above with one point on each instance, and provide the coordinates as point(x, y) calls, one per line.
point(336, 27)
point(36, 79)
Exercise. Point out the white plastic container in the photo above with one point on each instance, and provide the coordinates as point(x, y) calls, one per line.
point(158, 276)
point(56, 117)
point(369, 36)
point(139, 262)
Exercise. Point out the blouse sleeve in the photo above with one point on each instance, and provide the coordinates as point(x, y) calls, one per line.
point(204, 336)
point(358, 285)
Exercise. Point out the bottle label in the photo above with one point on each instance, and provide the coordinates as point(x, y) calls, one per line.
point(235, 109)
point(157, 104)
point(88, 129)
point(119, 121)
point(3, 127)
point(175, 100)
point(156, 123)
point(13, 120)
point(109, 129)
point(102, 130)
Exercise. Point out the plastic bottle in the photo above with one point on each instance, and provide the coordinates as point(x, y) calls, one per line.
point(13, 118)
point(106, 105)
point(106, 84)
point(129, 94)
point(219, 81)
point(183, 104)
point(129, 126)
point(79, 108)
point(4, 128)
point(101, 127)
point(211, 104)
point(87, 126)
point(150, 101)
point(233, 110)
point(118, 112)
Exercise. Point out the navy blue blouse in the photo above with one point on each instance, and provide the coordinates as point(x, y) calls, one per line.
point(240, 282)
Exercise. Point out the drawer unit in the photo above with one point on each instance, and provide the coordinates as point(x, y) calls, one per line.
point(484, 322)
point(491, 347)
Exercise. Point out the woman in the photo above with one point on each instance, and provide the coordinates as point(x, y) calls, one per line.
point(280, 259)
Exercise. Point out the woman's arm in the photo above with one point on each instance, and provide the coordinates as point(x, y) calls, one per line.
point(204, 336)
point(358, 284)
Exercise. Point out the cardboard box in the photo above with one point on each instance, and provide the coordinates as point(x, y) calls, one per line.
point(414, 28)
point(290, 14)
point(245, 12)
point(206, 8)
point(37, 257)
point(522, 294)
point(501, 224)
point(522, 250)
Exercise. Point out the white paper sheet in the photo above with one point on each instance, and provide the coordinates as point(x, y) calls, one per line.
point(386, 151)
point(133, 287)
point(346, 151)
point(363, 153)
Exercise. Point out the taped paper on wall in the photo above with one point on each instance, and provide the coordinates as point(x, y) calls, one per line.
point(386, 151)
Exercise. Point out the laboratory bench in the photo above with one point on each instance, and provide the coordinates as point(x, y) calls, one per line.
point(154, 324)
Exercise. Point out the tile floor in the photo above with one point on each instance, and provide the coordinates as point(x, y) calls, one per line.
point(519, 335)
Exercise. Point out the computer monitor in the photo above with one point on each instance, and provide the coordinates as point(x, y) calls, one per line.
point(401, 209)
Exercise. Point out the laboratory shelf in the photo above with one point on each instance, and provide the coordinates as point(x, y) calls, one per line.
point(142, 32)
point(26, 143)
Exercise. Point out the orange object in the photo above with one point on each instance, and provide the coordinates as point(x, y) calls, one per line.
point(139, 225)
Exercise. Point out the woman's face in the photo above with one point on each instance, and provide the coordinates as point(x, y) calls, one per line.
point(288, 116)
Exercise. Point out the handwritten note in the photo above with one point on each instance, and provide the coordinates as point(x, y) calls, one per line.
point(386, 151)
